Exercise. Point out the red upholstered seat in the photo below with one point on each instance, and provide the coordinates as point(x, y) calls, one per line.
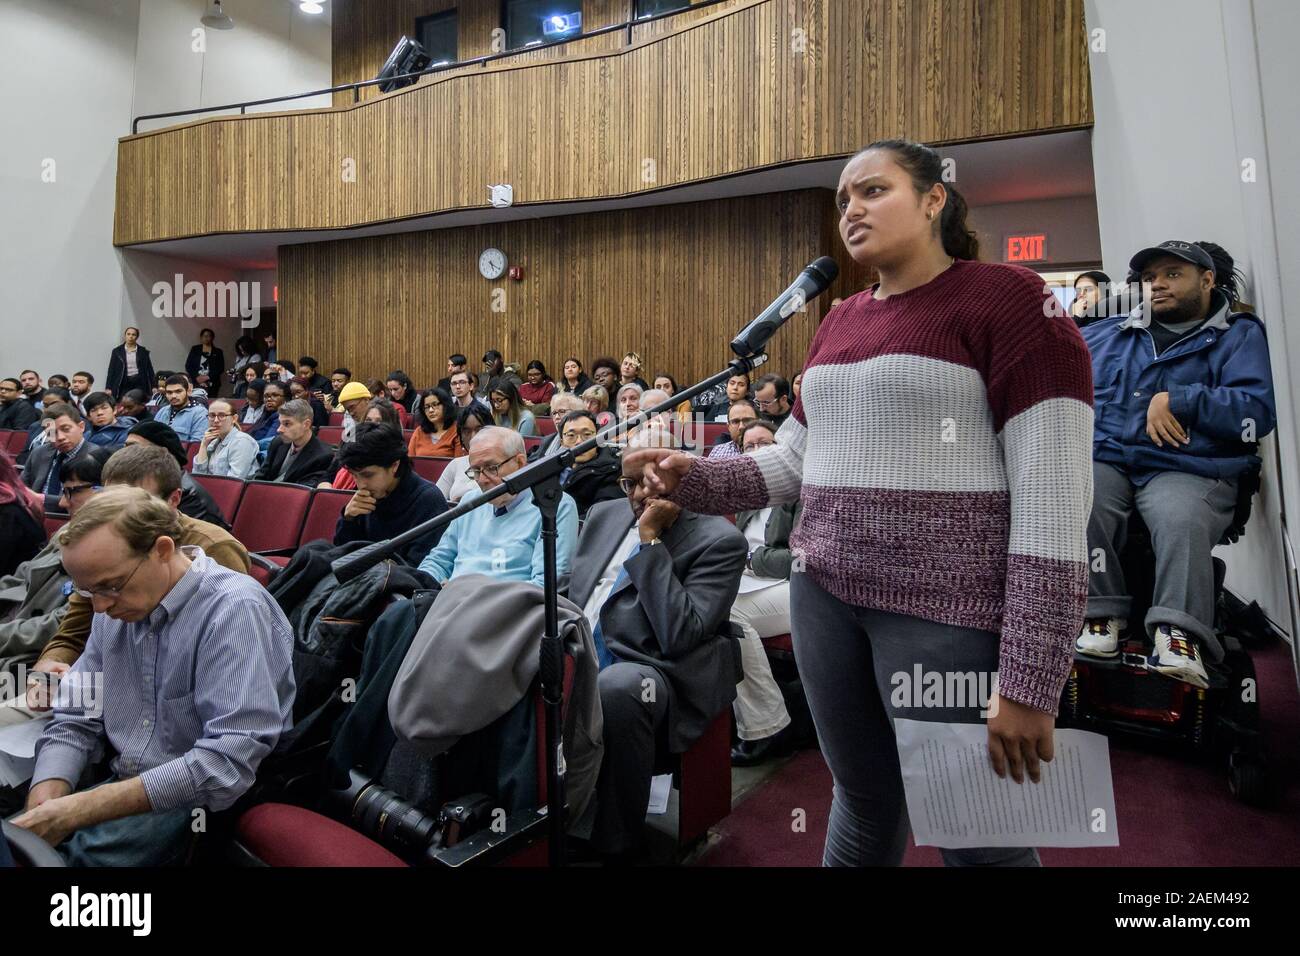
point(191, 449)
point(330, 434)
point(279, 834)
point(13, 441)
point(226, 492)
point(781, 644)
point(271, 515)
point(430, 469)
point(53, 522)
point(336, 418)
point(530, 443)
point(323, 514)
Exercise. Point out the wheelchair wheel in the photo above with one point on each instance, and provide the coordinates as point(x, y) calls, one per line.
point(1247, 779)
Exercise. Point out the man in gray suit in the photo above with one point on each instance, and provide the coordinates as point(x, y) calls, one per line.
point(657, 584)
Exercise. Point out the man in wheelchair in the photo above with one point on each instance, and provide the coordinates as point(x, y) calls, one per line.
point(1182, 395)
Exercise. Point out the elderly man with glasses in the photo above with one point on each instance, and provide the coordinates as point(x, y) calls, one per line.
point(186, 683)
point(225, 449)
point(503, 539)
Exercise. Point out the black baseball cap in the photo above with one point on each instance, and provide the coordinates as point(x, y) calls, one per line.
point(1187, 251)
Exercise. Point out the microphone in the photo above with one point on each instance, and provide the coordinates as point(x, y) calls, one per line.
point(811, 283)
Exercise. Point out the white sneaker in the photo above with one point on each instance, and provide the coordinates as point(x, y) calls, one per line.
point(1100, 637)
point(1176, 656)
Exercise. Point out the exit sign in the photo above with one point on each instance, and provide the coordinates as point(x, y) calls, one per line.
point(1030, 248)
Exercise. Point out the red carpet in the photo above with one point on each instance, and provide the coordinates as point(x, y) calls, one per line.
point(1172, 812)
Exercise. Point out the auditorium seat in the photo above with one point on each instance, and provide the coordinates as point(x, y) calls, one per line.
point(780, 647)
point(323, 514)
point(54, 520)
point(430, 469)
point(278, 834)
point(330, 434)
point(226, 492)
point(14, 441)
point(336, 419)
point(191, 449)
point(703, 779)
point(271, 515)
point(236, 405)
point(546, 425)
point(531, 443)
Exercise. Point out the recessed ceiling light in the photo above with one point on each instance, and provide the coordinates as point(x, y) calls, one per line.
point(310, 6)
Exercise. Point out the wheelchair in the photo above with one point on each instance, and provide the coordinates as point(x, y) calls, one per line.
point(1124, 697)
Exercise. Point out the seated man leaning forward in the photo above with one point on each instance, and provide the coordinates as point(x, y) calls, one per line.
point(657, 584)
point(186, 680)
point(502, 539)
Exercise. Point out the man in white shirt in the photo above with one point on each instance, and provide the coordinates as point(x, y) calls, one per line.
point(225, 450)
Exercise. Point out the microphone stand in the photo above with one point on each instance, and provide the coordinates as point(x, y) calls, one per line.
point(543, 477)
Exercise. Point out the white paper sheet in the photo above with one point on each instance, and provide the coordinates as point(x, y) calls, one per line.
point(18, 750)
point(955, 800)
point(661, 788)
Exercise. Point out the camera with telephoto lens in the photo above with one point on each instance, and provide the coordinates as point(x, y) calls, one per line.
point(385, 817)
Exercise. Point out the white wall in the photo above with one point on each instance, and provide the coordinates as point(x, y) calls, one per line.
point(1070, 225)
point(1178, 105)
point(67, 292)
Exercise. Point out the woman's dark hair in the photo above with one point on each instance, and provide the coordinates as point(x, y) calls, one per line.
point(576, 361)
point(387, 411)
point(375, 443)
point(210, 332)
point(63, 393)
point(476, 410)
point(444, 399)
point(495, 358)
point(244, 345)
point(256, 387)
point(608, 363)
point(925, 166)
point(400, 377)
point(507, 388)
point(1100, 278)
point(671, 381)
point(375, 387)
point(88, 467)
point(258, 367)
point(1227, 277)
point(537, 364)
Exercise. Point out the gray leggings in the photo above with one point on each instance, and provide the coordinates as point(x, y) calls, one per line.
point(847, 658)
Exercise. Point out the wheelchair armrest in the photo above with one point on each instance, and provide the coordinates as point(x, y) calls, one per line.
point(523, 828)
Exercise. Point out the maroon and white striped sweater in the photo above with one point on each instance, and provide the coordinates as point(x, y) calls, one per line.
point(942, 445)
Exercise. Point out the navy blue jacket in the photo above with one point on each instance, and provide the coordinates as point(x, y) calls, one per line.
point(1220, 390)
point(413, 501)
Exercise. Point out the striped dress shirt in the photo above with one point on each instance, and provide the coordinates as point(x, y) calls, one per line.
point(190, 699)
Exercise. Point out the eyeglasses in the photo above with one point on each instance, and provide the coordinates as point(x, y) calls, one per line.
point(577, 436)
point(627, 484)
point(430, 406)
point(71, 490)
point(756, 445)
point(217, 416)
point(113, 593)
point(765, 402)
point(741, 422)
point(490, 470)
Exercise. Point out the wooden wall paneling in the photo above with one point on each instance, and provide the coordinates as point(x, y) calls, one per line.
point(721, 97)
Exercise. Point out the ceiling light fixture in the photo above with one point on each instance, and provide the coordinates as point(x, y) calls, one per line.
point(216, 18)
point(310, 6)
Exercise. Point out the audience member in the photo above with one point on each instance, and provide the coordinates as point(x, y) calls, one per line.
point(339, 379)
point(225, 450)
point(740, 416)
point(268, 353)
point(629, 371)
point(267, 425)
point(503, 539)
point(1091, 293)
point(222, 694)
point(561, 404)
point(22, 518)
point(250, 416)
point(107, 428)
point(454, 483)
point(796, 382)
point(435, 427)
point(196, 502)
point(309, 370)
point(737, 388)
point(762, 609)
point(1178, 418)
point(250, 377)
point(159, 396)
point(455, 363)
point(296, 455)
point(668, 385)
point(666, 656)
point(206, 364)
point(79, 388)
point(628, 401)
point(246, 357)
point(494, 370)
point(299, 389)
point(58, 381)
point(16, 412)
point(772, 398)
point(391, 498)
point(30, 380)
point(129, 366)
point(377, 388)
point(536, 391)
point(67, 441)
point(594, 475)
point(462, 389)
point(597, 400)
point(605, 372)
point(400, 390)
point(353, 400)
point(133, 405)
point(575, 380)
point(186, 417)
point(507, 410)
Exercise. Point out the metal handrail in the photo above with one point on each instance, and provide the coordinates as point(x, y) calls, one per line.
point(442, 68)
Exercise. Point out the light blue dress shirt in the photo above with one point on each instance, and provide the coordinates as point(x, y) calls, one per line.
point(507, 545)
